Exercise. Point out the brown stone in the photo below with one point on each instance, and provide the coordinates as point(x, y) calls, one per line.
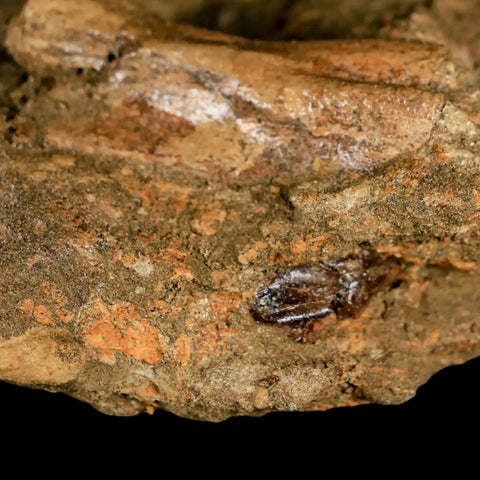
point(155, 176)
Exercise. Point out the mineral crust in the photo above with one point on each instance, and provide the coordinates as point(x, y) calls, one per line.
point(153, 177)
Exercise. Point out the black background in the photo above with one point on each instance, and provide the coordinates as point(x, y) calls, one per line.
point(449, 400)
point(35, 420)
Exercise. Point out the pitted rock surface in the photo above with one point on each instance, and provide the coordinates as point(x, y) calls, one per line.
point(154, 176)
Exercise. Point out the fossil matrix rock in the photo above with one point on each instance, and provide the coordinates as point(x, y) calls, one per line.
point(154, 177)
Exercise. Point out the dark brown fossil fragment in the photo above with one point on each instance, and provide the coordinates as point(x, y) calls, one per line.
point(309, 292)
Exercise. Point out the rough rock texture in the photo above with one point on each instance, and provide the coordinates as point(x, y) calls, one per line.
point(155, 177)
point(10, 72)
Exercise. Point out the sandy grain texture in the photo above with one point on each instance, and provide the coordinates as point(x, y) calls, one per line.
point(154, 176)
